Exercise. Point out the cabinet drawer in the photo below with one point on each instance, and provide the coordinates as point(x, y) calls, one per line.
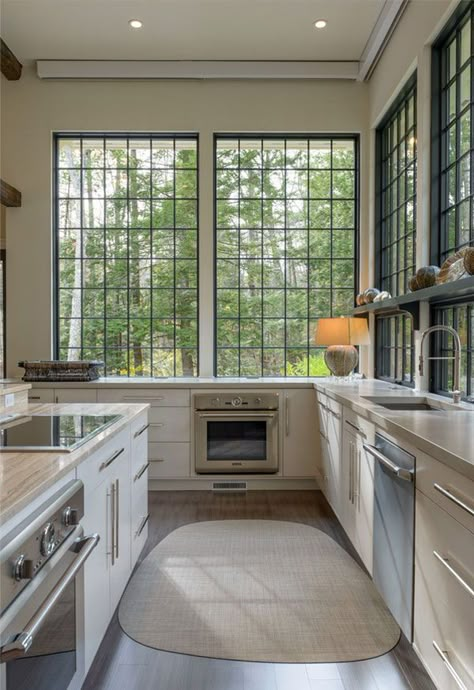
point(444, 600)
point(75, 395)
point(139, 443)
point(446, 487)
point(157, 397)
point(169, 424)
point(41, 395)
point(105, 460)
point(359, 426)
point(169, 460)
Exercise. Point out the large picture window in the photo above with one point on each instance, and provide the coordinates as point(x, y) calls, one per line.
point(460, 317)
point(453, 114)
point(286, 244)
point(126, 222)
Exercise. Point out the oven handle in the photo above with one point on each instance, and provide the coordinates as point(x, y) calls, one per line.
point(23, 641)
point(231, 413)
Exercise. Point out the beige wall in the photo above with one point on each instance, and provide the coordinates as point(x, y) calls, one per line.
point(33, 109)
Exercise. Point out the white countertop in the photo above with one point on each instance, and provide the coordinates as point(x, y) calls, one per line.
point(191, 382)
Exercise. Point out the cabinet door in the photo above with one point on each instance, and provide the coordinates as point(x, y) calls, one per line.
point(349, 468)
point(120, 509)
point(364, 522)
point(97, 610)
point(75, 395)
point(300, 445)
point(334, 481)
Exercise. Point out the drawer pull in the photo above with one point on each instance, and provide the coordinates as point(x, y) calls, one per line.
point(449, 666)
point(141, 471)
point(157, 424)
point(458, 501)
point(356, 428)
point(142, 526)
point(325, 407)
point(34, 397)
point(141, 431)
point(454, 573)
point(144, 399)
point(334, 414)
point(113, 457)
point(323, 436)
point(157, 460)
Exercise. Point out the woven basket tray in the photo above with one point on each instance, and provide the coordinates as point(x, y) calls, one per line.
point(55, 370)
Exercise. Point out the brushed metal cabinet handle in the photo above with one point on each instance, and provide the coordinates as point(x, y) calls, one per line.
point(117, 517)
point(350, 469)
point(142, 525)
point(112, 510)
point(287, 415)
point(141, 431)
point(452, 497)
point(141, 471)
point(444, 656)
point(446, 562)
point(113, 457)
point(356, 428)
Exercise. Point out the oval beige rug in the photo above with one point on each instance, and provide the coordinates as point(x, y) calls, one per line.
point(256, 590)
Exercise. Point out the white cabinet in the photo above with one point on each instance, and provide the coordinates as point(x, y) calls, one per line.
point(444, 596)
point(75, 395)
point(36, 396)
point(138, 523)
point(357, 486)
point(330, 433)
point(300, 445)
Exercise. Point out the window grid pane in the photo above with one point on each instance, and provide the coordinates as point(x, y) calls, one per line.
point(456, 138)
point(396, 143)
point(461, 318)
point(395, 349)
point(126, 248)
point(286, 237)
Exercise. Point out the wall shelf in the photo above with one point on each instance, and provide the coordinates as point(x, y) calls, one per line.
point(410, 302)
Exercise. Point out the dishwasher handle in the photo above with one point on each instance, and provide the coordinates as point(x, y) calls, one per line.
point(400, 472)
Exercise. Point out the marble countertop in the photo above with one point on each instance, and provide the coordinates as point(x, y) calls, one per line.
point(447, 435)
point(26, 475)
point(8, 386)
point(190, 382)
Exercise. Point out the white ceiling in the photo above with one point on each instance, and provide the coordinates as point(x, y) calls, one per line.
point(188, 29)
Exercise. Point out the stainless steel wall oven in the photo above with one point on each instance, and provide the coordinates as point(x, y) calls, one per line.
point(236, 433)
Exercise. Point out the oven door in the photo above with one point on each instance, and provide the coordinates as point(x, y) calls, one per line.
point(236, 442)
point(42, 630)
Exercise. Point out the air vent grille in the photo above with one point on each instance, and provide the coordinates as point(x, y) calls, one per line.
point(225, 487)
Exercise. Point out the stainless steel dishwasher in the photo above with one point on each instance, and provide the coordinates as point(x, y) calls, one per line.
point(394, 526)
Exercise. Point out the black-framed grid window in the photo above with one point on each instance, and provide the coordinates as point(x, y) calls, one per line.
point(126, 223)
point(453, 137)
point(396, 194)
point(459, 316)
point(394, 351)
point(286, 238)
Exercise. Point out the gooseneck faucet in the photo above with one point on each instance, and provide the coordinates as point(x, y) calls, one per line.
point(456, 357)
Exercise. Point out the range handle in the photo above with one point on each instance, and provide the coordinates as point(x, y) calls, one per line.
point(23, 641)
point(400, 472)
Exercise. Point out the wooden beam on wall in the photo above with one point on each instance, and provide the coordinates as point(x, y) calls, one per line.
point(9, 196)
point(11, 67)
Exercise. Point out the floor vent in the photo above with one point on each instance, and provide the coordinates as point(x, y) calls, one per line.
point(225, 487)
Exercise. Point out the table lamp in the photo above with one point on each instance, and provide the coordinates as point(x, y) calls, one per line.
point(340, 334)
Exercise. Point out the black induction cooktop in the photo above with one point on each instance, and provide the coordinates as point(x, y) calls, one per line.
point(64, 432)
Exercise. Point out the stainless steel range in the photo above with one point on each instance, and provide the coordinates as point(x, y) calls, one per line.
point(236, 433)
point(41, 595)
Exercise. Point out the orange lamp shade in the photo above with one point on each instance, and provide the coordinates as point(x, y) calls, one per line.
point(342, 331)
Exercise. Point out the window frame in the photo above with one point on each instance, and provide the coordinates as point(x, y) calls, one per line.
point(58, 136)
point(438, 236)
point(408, 364)
point(293, 136)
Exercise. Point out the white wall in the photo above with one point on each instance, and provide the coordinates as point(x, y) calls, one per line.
point(408, 49)
point(33, 109)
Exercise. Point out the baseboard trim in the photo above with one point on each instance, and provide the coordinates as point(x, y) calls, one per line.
point(205, 484)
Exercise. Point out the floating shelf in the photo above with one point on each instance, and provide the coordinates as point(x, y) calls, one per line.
point(411, 301)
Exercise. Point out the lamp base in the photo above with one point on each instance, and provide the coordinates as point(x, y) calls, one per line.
point(341, 360)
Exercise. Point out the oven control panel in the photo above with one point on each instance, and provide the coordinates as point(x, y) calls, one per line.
point(236, 401)
point(28, 547)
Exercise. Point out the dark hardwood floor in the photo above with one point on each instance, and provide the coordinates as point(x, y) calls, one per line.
point(123, 663)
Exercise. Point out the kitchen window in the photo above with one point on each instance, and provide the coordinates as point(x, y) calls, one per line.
point(452, 131)
point(459, 316)
point(286, 241)
point(396, 157)
point(126, 225)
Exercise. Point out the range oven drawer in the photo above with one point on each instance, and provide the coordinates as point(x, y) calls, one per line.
point(242, 442)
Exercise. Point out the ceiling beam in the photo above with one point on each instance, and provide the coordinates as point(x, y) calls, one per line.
point(384, 27)
point(9, 196)
point(195, 69)
point(11, 67)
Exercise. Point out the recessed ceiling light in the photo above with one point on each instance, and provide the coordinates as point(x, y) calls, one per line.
point(320, 23)
point(135, 23)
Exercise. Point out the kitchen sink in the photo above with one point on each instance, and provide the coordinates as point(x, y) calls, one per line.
point(408, 403)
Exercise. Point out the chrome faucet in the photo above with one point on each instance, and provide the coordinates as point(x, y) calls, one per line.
point(456, 357)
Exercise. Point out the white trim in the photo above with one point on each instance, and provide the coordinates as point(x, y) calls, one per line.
point(195, 69)
point(253, 483)
point(378, 39)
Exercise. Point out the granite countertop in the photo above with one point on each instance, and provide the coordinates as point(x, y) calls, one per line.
point(26, 475)
point(447, 435)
